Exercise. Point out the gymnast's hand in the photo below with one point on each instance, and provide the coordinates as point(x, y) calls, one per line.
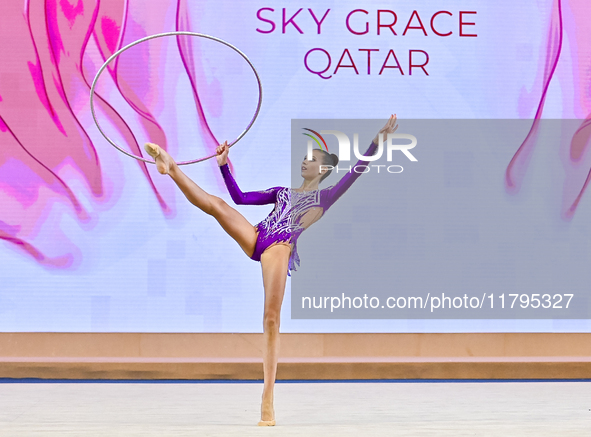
point(222, 153)
point(390, 127)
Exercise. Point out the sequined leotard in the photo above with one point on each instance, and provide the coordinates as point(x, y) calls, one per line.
point(283, 223)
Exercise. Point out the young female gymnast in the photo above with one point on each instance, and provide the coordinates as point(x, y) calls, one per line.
point(272, 241)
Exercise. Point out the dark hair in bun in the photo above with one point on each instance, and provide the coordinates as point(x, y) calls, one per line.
point(328, 159)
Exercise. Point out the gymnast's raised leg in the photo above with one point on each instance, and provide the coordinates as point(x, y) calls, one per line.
point(231, 220)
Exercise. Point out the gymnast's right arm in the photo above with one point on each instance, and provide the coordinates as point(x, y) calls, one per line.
point(240, 198)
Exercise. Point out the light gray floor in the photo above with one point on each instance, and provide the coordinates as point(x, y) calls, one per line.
point(302, 409)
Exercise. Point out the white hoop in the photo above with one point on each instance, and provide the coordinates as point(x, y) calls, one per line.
point(159, 35)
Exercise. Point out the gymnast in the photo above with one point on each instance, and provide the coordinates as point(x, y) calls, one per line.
point(272, 241)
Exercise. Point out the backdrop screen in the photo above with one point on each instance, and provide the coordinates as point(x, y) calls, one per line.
point(94, 240)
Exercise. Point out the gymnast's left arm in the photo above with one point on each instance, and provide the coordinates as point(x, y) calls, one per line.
point(333, 194)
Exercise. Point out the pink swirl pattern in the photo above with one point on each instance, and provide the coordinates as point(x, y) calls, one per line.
point(50, 51)
point(567, 19)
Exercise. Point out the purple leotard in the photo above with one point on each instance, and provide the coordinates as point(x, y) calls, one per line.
point(283, 223)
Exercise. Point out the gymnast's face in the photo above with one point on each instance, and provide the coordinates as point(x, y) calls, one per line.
point(311, 168)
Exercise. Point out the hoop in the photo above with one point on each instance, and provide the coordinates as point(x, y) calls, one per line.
point(159, 35)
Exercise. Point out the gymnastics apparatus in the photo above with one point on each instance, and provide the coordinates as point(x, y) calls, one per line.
point(272, 241)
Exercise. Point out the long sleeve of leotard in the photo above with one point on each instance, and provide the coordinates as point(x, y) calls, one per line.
point(332, 194)
point(250, 198)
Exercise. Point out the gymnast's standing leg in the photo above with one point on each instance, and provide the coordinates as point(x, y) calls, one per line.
point(274, 263)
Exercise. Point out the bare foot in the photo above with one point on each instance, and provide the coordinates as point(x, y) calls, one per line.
point(163, 160)
point(267, 411)
point(266, 423)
